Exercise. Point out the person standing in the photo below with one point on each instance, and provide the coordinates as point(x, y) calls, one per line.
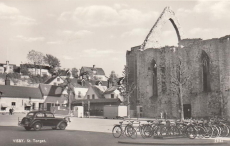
point(165, 115)
point(10, 111)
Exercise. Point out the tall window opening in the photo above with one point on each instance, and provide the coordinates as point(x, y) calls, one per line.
point(154, 71)
point(205, 72)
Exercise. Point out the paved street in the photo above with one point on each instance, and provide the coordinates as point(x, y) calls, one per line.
point(80, 132)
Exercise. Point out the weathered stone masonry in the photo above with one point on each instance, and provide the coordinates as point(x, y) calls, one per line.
point(151, 69)
point(141, 72)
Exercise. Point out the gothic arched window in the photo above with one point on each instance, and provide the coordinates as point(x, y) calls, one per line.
point(154, 71)
point(205, 72)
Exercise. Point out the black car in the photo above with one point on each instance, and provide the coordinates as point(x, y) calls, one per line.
point(39, 119)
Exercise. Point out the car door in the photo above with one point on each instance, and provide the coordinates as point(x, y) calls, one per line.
point(51, 121)
point(41, 117)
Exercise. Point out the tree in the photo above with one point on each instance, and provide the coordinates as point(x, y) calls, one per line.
point(24, 70)
point(126, 89)
point(74, 72)
point(113, 78)
point(53, 62)
point(179, 80)
point(36, 58)
point(70, 89)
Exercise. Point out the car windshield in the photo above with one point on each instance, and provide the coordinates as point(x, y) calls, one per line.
point(30, 115)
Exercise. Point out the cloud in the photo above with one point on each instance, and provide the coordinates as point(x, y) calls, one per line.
point(55, 42)
point(6, 10)
point(136, 32)
point(98, 15)
point(198, 30)
point(35, 39)
point(216, 9)
point(206, 33)
point(67, 57)
point(75, 34)
point(13, 14)
point(97, 53)
point(182, 12)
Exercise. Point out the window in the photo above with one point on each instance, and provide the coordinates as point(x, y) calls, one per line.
point(44, 73)
point(13, 103)
point(48, 115)
point(112, 95)
point(33, 106)
point(56, 104)
point(40, 115)
point(83, 83)
point(154, 72)
point(58, 79)
point(79, 94)
point(88, 96)
point(205, 72)
point(93, 96)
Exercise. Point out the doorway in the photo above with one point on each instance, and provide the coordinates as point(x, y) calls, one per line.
point(187, 111)
point(48, 106)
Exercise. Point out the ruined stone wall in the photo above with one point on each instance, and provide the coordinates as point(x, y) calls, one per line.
point(139, 62)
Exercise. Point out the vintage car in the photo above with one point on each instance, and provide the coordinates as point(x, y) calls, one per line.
point(39, 119)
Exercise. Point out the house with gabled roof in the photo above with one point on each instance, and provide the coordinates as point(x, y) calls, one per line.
point(37, 69)
point(95, 100)
point(20, 98)
point(53, 96)
point(113, 93)
point(7, 68)
point(55, 80)
point(95, 92)
point(93, 73)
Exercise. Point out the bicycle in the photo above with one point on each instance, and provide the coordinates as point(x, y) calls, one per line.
point(122, 129)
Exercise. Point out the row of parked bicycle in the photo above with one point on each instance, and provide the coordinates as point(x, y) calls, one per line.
point(189, 128)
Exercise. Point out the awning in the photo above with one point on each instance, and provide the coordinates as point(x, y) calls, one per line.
point(4, 105)
point(28, 104)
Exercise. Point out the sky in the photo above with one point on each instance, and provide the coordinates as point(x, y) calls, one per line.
point(99, 32)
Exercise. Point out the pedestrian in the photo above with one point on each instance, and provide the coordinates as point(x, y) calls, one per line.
point(10, 111)
point(165, 115)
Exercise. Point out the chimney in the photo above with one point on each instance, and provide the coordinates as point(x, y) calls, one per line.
point(7, 80)
point(7, 67)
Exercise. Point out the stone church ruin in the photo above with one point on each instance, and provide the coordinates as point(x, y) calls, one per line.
point(195, 74)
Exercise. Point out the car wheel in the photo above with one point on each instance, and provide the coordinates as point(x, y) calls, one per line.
point(62, 126)
point(37, 126)
point(27, 128)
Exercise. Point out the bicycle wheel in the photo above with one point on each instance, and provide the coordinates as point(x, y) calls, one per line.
point(117, 131)
point(175, 131)
point(208, 131)
point(191, 132)
point(215, 131)
point(141, 130)
point(164, 131)
point(133, 134)
point(200, 132)
point(128, 130)
point(224, 131)
point(147, 131)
